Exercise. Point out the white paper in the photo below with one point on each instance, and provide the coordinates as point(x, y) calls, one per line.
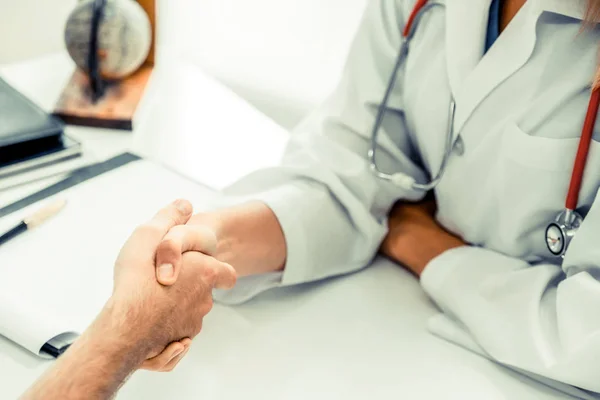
point(56, 278)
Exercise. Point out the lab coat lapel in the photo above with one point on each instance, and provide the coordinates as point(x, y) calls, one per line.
point(571, 8)
point(472, 77)
point(466, 24)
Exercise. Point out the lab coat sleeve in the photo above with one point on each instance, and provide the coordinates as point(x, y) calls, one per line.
point(542, 318)
point(331, 208)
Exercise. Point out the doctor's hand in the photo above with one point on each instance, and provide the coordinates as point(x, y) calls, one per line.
point(414, 236)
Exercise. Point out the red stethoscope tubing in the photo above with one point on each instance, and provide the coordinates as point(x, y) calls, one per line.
point(587, 131)
point(411, 19)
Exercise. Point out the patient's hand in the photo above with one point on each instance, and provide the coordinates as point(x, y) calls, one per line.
point(415, 237)
point(142, 318)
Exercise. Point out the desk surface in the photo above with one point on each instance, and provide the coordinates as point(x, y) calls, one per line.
point(356, 337)
point(353, 337)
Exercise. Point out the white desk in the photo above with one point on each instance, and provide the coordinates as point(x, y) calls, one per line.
point(356, 337)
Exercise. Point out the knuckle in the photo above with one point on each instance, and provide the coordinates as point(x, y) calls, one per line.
point(169, 245)
point(230, 271)
point(207, 306)
point(182, 207)
point(209, 275)
point(233, 277)
point(197, 328)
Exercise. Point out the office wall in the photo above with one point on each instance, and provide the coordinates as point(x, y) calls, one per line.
point(283, 56)
point(29, 28)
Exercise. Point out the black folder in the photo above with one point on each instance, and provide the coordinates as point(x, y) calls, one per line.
point(30, 138)
point(21, 120)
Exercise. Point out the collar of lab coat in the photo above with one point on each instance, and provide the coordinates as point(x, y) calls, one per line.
point(570, 8)
point(472, 77)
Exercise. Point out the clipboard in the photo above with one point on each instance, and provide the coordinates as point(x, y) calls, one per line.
point(52, 294)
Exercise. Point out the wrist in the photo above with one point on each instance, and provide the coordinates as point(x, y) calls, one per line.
point(122, 334)
point(249, 237)
point(95, 366)
point(417, 244)
point(439, 243)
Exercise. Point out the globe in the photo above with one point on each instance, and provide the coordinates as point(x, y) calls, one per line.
point(124, 37)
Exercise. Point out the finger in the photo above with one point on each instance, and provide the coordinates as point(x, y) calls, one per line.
point(173, 363)
point(187, 342)
point(158, 363)
point(149, 235)
point(226, 276)
point(178, 240)
point(214, 273)
point(176, 213)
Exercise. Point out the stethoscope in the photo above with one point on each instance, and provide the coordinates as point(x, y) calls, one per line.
point(560, 232)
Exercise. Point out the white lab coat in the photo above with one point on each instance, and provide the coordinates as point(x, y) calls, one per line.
point(520, 109)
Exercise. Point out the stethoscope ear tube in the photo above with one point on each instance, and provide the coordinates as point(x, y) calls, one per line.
point(400, 179)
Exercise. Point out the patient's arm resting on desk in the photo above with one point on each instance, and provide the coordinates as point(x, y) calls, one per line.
point(132, 326)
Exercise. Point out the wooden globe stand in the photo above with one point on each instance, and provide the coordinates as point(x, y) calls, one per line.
point(116, 108)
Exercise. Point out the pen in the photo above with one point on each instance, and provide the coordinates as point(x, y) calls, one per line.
point(34, 220)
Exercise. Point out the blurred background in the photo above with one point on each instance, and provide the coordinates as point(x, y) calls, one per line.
point(283, 56)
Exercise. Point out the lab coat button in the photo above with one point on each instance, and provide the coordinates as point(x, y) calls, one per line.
point(459, 146)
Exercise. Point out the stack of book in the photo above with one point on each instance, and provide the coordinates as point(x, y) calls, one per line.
point(33, 145)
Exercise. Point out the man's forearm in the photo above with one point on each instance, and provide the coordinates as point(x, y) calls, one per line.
point(249, 237)
point(95, 367)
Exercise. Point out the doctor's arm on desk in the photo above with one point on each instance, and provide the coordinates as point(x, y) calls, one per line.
point(142, 318)
point(414, 237)
point(538, 318)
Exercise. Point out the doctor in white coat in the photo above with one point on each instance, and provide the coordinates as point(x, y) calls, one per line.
point(482, 257)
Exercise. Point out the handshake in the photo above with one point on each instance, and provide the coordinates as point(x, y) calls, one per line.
point(163, 282)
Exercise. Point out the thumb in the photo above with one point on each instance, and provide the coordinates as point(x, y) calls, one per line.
point(178, 240)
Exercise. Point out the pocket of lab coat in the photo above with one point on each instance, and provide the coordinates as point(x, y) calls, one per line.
point(533, 180)
point(547, 154)
point(549, 160)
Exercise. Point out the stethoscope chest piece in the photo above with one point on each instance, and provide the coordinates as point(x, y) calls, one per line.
point(560, 232)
